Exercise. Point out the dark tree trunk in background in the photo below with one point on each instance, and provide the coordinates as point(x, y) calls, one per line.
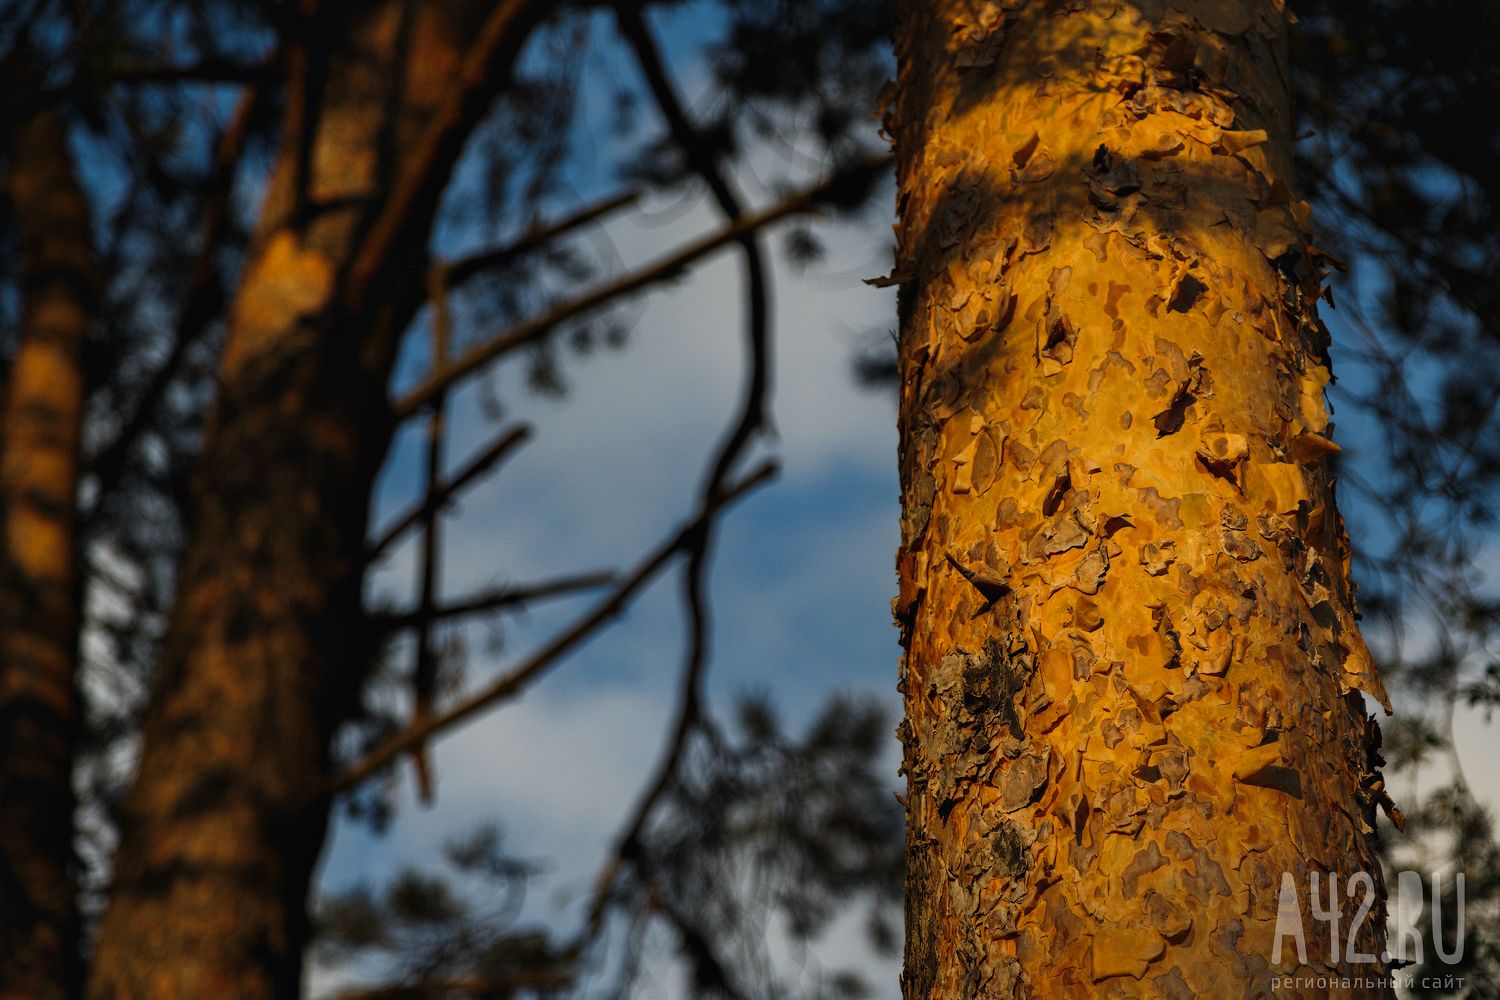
point(39, 449)
point(265, 650)
point(1131, 656)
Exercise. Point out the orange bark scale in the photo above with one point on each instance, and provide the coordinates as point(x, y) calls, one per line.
point(1132, 673)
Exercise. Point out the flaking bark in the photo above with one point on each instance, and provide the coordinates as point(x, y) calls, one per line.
point(39, 457)
point(1132, 667)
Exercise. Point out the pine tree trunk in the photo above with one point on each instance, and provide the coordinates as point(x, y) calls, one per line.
point(39, 447)
point(265, 649)
point(1131, 652)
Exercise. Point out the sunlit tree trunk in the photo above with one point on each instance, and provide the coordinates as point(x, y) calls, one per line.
point(1131, 652)
point(265, 650)
point(39, 449)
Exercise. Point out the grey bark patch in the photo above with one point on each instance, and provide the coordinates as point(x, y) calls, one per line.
point(1240, 546)
point(1089, 576)
point(1172, 986)
point(1156, 557)
point(974, 691)
point(1144, 863)
point(1023, 779)
point(993, 680)
point(919, 971)
point(1012, 853)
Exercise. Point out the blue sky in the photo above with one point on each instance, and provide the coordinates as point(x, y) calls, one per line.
point(801, 583)
point(803, 576)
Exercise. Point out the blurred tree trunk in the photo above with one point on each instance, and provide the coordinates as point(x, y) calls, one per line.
point(265, 648)
point(1131, 652)
point(39, 449)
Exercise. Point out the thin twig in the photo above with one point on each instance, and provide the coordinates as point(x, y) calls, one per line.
point(466, 268)
point(627, 844)
point(496, 599)
point(628, 849)
point(663, 270)
point(424, 674)
point(517, 680)
point(200, 302)
point(704, 161)
point(408, 298)
point(443, 494)
point(483, 71)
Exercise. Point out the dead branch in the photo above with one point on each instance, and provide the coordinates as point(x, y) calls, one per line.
point(484, 70)
point(513, 683)
point(408, 297)
point(441, 495)
point(424, 675)
point(496, 599)
point(751, 419)
point(466, 268)
point(201, 300)
point(661, 271)
point(757, 289)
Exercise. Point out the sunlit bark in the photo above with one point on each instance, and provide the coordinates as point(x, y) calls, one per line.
point(39, 449)
point(265, 648)
point(1131, 652)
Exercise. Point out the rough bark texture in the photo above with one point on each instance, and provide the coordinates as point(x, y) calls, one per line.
point(1131, 652)
point(39, 447)
point(264, 652)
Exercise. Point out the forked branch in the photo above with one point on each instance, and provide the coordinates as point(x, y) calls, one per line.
point(517, 680)
point(443, 493)
point(672, 266)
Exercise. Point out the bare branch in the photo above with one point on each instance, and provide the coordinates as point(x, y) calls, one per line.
point(424, 676)
point(517, 680)
point(443, 493)
point(626, 850)
point(704, 160)
point(466, 268)
point(485, 68)
point(201, 300)
point(530, 331)
point(690, 711)
point(408, 298)
point(497, 599)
